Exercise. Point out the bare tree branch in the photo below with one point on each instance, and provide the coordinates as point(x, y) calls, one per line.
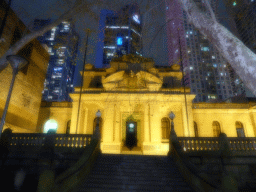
point(77, 8)
point(210, 10)
point(241, 58)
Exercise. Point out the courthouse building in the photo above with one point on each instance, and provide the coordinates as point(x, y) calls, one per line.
point(135, 98)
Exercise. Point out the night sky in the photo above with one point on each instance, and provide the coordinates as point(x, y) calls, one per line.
point(154, 44)
point(153, 15)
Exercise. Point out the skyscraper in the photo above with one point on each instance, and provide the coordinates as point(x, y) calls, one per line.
point(119, 34)
point(206, 71)
point(61, 43)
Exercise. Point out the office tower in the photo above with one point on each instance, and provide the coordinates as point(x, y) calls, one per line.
point(61, 43)
point(206, 71)
point(119, 34)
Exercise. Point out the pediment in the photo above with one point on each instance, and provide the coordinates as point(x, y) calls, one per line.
point(130, 80)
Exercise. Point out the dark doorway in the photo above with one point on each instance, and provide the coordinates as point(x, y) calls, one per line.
point(131, 134)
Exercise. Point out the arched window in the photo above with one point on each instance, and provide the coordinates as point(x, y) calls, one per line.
point(240, 129)
point(195, 129)
point(97, 120)
point(216, 128)
point(50, 124)
point(165, 123)
point(68, 127)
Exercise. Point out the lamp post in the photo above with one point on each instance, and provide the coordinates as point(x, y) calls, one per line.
point(172, 116)
point(97, 128)
point(17, 62)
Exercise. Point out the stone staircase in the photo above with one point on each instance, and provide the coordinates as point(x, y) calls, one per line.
point(116, 173)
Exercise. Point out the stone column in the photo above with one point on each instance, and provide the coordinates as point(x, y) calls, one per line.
point(146, 123)
point(185, 121)
point(117, 123)
point(85, 129)
point(74, 118)
point(190, 120)
point(108, 124)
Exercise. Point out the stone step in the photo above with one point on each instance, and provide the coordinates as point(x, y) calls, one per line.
point(133, 173)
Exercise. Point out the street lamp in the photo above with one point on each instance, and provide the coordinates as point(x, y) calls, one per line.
point(17, 62)
point(172, 116)
point(97, 129)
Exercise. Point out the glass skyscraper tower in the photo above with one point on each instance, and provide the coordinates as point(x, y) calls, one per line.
point(206, 72)
point(61, 43)
point(119, 34)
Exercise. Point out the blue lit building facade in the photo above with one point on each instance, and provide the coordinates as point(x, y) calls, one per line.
point(119, 34)
point(62, 45)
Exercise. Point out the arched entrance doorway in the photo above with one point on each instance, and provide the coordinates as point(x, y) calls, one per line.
point(131, 134)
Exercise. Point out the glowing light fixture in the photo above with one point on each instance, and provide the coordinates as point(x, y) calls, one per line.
point(234, 3)
point(136, 19)
point(119, 41)
point(50, 125)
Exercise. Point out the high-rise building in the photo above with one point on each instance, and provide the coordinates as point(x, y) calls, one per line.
point(119, 34)
point(206, 72)
point(61, 43)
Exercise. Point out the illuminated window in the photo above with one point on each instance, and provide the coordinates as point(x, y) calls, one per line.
point(50, 125)
point(205, 49)
point(136, 19)
point(119, 41)
point(165, 123)
point(60, 61)
point(240, 129)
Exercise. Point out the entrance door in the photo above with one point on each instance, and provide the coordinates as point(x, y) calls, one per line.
point(131, 134)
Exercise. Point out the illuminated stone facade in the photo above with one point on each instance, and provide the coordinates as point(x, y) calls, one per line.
point(134, 90)
point(25, 101)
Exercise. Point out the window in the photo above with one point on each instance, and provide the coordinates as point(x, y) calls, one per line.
point(165, 123)
point(205, 49)
point(240, 129)
point(216, 128)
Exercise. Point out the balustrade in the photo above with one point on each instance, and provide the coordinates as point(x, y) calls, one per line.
point(212, 143)
point(61, 140)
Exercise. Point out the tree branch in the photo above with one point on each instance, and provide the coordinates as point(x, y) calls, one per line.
point(240, 57)
point(78, 7)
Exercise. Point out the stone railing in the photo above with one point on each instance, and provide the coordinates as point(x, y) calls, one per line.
point(212, 143)
point(61, 140)
point(221, 106)
point(199, 179)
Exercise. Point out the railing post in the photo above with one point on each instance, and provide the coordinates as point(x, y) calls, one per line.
point(47, 177)
point(173, 139)
point(4, 145)
point(96, 134)
point(228, 182)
